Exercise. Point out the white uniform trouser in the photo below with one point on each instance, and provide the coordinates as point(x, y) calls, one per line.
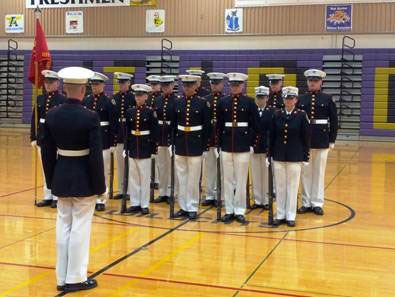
point(155, 157)
point(260, 182)
point(163, 161)
point(139, 181)
point(73, 229)
point(210, 171)
point(102, 199)
point(120, 166)
point(47, 192)
point(287, 183)
point(188, 173)
point(313, 179)
point(235, 169)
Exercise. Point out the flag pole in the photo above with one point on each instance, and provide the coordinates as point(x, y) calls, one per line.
point(37, 13)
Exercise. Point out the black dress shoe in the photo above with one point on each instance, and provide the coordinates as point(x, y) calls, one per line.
point(266, 207)
point(304, 209)
point(133, 209)
point(117, 197)
point(228, 218)
point(192, 215)
point(241, 219)
point(291, 223)
point(279, 222)
point(86, 285)
point(100, 207)
point(161, 199)
point(207, 202)
point(145, 211)
point(60, 288)
point(44, 203)
point(318, 211)
point(181, 213)
point(256, 206)
point(54, 204)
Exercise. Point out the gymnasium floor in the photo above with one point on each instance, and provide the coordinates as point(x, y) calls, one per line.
point(348, 252)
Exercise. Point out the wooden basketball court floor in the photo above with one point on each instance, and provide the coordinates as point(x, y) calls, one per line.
point(348, 252)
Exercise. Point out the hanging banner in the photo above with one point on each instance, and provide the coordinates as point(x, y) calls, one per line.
point(256, 3)
point(155, 20)
point(338, 17)
point(234, 20)
point(74, 22)
point(14, 23)
point(142, 2)
point(75, 3)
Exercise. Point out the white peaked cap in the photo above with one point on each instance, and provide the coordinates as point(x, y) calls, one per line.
point(75, 75)
point(141, 88)
point(262, 91)
point(290, 91)
point(314, 73)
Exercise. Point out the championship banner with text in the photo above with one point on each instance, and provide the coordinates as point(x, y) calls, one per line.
point(75, 3)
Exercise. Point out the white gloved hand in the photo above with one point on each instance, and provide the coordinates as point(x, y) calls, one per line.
point(33, 143)
point(305, 163)
point(332, 146)
point(267, 162)
point(112, 149)
point(251, 150)
point(216, 153)
point(170, 148)
point(204, 155)
point(124, 154)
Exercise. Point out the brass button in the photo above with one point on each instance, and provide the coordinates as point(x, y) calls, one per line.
point(285, 142)
point(286, 125)
point(286, 131)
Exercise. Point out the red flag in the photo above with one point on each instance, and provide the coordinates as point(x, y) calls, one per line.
point(40, 54)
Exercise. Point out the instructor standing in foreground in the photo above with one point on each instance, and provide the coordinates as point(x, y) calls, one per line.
point(73, 160)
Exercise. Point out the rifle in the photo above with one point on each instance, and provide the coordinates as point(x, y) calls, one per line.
point(219, 189)
point(270, 178)
point(248, 190)
point(126, 171)
point(111, 190)
point(172, 177)
point(152, 192)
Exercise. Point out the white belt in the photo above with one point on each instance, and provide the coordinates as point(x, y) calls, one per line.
point(163, 122)
point(42, 121)
point(237, 124)
point(189, 128)
point(123, 120)
point(73, 153)
point(141, 133)
point(104, 123)
point(319, 122)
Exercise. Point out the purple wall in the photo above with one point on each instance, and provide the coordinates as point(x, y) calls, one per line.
point(294, 62)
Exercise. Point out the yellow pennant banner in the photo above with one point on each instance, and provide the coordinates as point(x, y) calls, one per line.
point(142, 2)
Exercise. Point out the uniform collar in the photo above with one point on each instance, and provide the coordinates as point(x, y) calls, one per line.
point(141, 106)
point(289, 112)
point(52, 93)
point(315, 93)
point(217, 94)
point(73, 101)
point(236, 96)
point(190, 97)
point(99, 95)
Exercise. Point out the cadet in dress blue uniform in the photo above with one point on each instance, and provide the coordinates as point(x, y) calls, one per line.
point(237, 118)
point(142, 129)
point(165, 109)
point(200, 91)
point(323, 119)
point(193, 129)
point(210, 162)
point(289, 148)
point(154, 82)
point(73, 164)
point(45, 102)
point(275, 95)
point(258, 168)
point(124, 100)
point(106, 110)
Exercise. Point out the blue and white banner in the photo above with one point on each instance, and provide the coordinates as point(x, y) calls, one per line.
point(234, 20)
point(338, 17)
